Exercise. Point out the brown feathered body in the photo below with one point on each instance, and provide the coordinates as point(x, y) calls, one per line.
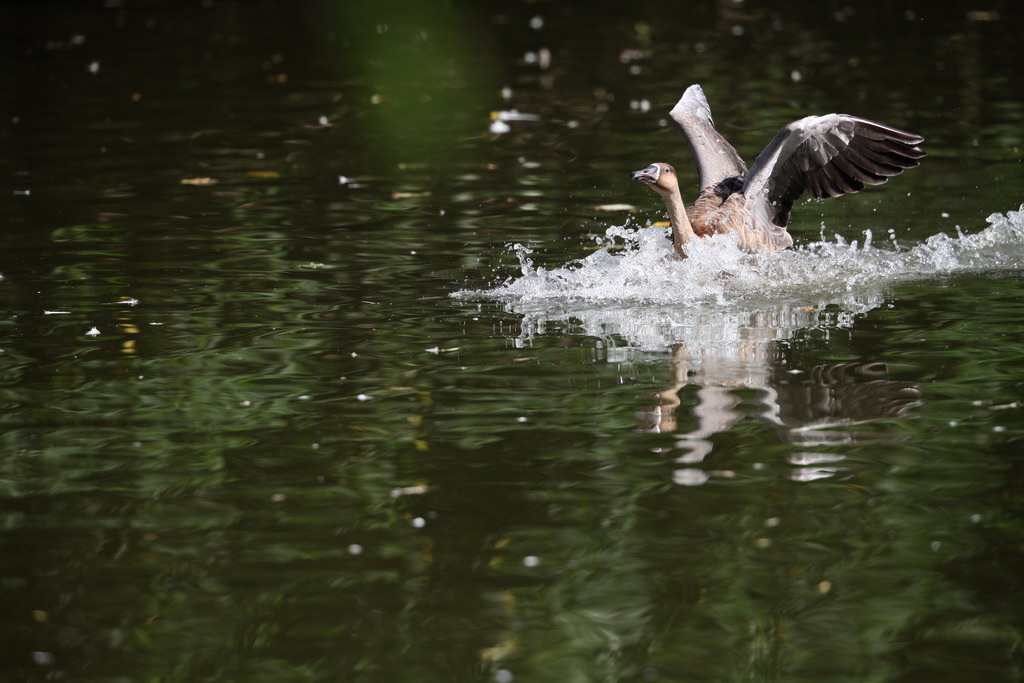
point(720, 210)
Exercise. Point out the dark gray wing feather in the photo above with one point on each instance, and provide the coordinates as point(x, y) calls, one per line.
point(827, 156)
point(716, 158)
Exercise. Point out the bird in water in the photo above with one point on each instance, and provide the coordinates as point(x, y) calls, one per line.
point(828, 156)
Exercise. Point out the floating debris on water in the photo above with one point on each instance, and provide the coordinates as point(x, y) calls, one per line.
point(499, 120)
point(417, 490)
point(616, 207)
point(513, 115)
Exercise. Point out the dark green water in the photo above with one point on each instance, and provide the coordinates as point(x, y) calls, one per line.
point(331, 426)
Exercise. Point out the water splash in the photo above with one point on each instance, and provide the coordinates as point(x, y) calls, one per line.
point(722, 300)
point(646, 270)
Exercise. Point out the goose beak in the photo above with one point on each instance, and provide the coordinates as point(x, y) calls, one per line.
point(647, 175)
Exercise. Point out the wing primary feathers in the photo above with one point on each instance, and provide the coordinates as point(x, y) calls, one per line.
point(827, 156)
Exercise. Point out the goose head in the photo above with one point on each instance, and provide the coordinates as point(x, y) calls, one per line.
point(660, 177)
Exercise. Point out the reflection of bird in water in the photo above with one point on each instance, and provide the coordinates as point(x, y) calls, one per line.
point(828, 156)
point(838, 395)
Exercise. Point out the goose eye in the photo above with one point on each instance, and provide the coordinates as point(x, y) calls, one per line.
point(667, 170)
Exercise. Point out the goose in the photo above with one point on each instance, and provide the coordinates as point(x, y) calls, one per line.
point(828, 156)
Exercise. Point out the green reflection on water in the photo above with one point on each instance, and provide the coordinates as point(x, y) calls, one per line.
point(295, 458)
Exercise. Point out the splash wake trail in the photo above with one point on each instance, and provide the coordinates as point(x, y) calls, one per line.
point(646, 271)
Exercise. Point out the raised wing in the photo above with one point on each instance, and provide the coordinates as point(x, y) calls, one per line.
point(828, 156)
point(716, 158)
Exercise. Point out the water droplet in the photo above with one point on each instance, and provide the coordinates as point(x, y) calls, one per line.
point(43, 658)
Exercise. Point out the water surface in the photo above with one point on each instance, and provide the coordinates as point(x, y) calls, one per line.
point(309, 375)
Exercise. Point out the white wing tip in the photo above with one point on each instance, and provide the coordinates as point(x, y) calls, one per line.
point(693, 102)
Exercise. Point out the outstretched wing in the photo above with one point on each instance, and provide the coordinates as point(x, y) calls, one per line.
point(828, 156)
point(716, 158)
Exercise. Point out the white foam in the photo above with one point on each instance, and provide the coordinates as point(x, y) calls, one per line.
point(643, 296)
point(647, 271)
